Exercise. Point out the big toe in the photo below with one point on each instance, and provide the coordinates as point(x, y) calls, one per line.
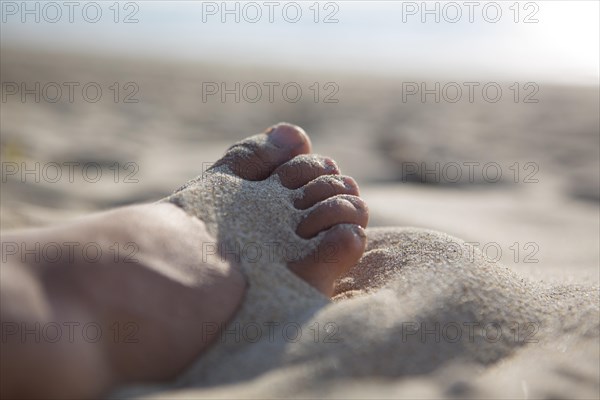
point(256, 157)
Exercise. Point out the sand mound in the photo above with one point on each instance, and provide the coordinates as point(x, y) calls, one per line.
point(422, 315)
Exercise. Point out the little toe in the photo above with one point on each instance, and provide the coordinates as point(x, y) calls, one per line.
point(304, 168)
point(256, 157)
point(342, 209)
point(339, 250)
point(325, 187)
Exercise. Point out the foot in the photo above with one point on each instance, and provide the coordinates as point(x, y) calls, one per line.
point(267, 200)
point(265, 195)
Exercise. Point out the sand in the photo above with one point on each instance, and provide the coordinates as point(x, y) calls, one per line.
point(172, 136)
point(419, 305)
point(255, 223)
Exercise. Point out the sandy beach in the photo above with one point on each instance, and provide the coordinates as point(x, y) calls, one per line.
point(515, 185)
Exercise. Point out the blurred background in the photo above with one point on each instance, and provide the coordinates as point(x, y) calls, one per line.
point(480, 119)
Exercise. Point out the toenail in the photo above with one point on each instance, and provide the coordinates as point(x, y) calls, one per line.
point(286, 136)
point(359, 231)
point(349, 183)
point(330, 165)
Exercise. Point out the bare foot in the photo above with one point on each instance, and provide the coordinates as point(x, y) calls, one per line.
point(284, 197)
point(272, 192)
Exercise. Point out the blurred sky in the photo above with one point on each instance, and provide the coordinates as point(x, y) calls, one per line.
point(374, 36)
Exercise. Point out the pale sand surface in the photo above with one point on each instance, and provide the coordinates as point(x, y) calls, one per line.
point(171, 136)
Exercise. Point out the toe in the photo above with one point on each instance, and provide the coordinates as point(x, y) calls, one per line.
point(343, 209)
point(255, 158)
point(341, 248)
point(325, 187)
point(304, 168)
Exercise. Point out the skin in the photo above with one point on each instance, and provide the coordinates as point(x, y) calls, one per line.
point(152, 312)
